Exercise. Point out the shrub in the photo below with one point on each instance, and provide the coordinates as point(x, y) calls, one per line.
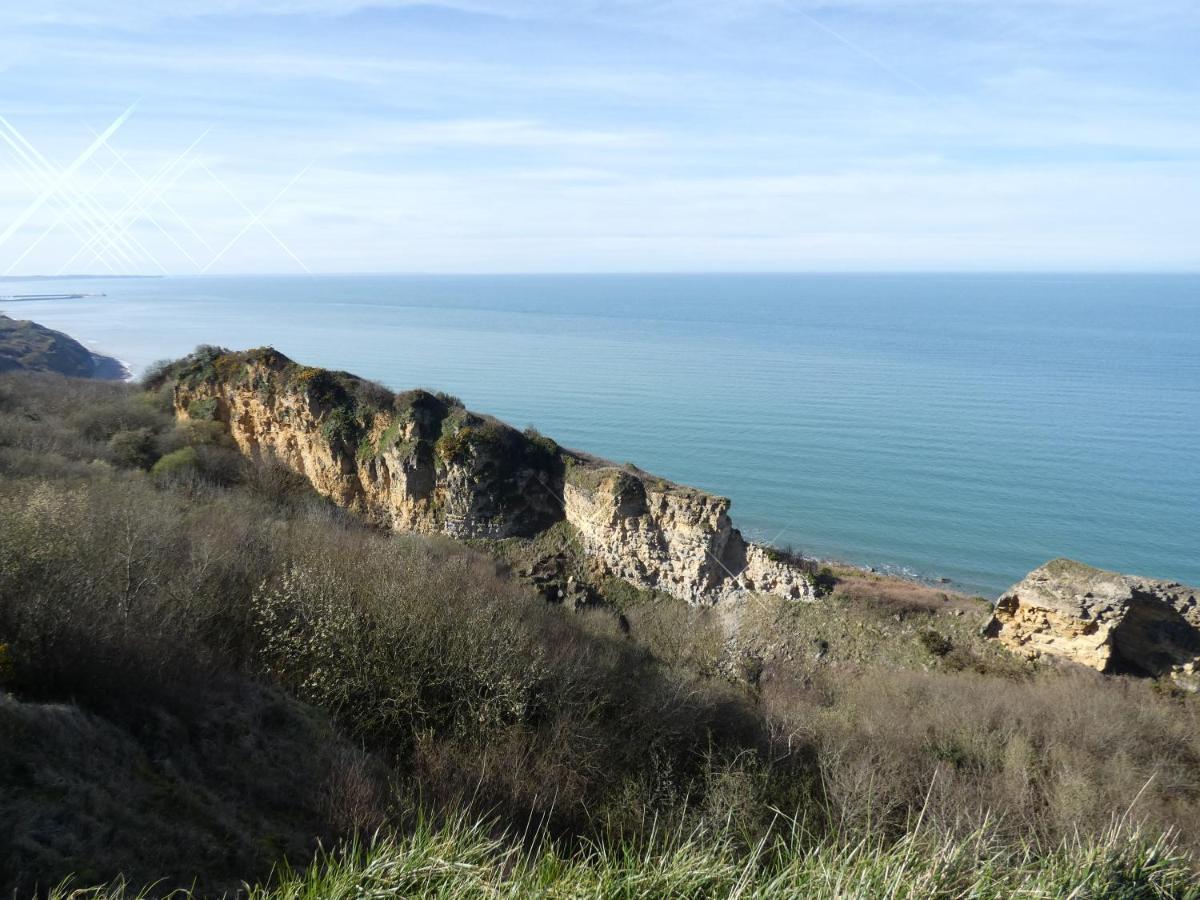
point(178, 463)
point(156, 375)
point(134, 449)
point(823, 581)
point(935, 642)
point(103, 418)
point(342, 428)
point(1046, 757)
point(371, 395)
point(545, 445)
point(204, 410)
point(392, 666)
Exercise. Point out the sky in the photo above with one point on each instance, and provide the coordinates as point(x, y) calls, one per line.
point(338, 136)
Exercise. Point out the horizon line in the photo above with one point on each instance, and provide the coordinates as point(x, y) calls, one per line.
point(618, 273)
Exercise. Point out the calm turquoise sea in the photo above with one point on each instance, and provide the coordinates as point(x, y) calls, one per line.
point(958, 426)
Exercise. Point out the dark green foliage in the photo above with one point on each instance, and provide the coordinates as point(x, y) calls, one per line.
point(136, 448)
point(155, 375)
point(179, 462)
point(540, 444)
point(324, 386)
point(786, 554)
point(342, 428)
point(423, 407)
point(823, 581)
point(200, 365)
point(935, 642)
point(486, 439)
point(203, 410)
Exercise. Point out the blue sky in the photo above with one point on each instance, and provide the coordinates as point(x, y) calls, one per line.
point(516, 135)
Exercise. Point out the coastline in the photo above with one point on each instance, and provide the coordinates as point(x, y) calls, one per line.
point(30, 346)
point(893, 573)
point(857, 462)
point(109, 368)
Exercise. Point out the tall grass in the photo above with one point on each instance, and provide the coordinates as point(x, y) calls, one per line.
point(463, 858)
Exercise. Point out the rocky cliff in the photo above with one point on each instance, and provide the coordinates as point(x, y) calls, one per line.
point(660, 535)
point(418, 461)
point(1108, 621)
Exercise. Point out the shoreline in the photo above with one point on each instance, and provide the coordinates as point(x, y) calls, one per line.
point(110, 368)
point(892, 573)
point(860, 583)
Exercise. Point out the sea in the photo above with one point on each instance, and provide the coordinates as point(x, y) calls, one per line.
point(959, 428)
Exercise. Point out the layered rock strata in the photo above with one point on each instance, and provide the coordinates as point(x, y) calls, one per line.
point(673, 538)
point(1104, 620)
point(421, 462)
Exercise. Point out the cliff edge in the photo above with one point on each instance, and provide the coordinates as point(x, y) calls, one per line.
point(419, 461)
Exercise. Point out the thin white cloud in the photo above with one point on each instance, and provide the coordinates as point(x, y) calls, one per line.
point(635, 135)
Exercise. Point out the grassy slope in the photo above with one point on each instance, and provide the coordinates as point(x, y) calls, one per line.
point(204, 668)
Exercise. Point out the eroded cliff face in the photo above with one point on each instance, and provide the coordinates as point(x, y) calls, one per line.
point(1108, 621)
point(412, 461)
point(420, 462)
point(672, 538)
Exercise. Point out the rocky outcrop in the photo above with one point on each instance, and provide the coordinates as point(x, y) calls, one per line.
point(1110, 622)
point(672, 538)
point(421, 462)
point(413, 462)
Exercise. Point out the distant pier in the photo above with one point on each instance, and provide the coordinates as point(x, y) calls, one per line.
point(18, 298)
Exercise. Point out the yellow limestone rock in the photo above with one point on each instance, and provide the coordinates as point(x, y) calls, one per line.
point(1104, 620)
point(672, 538)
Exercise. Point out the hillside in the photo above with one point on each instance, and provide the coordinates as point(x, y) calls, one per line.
point(212, 661)
point(29, 347)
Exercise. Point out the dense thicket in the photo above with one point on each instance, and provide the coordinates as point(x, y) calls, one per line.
point(204, 667)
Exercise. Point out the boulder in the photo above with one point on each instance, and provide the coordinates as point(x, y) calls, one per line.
point(1121, 624)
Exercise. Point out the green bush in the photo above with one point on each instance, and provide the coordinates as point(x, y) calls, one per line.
point(342, 428)
point(823, 581)
point(134, 449)
point(394, 665)
point(103, 418)
point(935, 642)
point(180, 462)
point(203, 410)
